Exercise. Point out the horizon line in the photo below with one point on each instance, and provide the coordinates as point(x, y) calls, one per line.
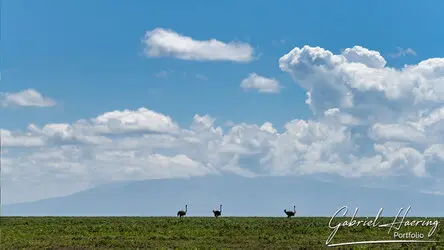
point(211, 216)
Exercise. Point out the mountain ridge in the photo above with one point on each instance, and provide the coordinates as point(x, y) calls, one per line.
point(240, 196)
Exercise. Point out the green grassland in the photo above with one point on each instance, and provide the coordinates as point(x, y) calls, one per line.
point(196, 232)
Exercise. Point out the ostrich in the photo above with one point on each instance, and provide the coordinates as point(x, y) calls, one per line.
point(290, 213)
point(218, 213)
point(182, 213)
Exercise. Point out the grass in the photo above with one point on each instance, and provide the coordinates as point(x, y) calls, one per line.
point(195, 232)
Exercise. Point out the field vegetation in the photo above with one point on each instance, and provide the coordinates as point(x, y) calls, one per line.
point(196, 232)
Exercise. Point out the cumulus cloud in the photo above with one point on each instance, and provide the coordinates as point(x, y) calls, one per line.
point(164, 42)
point(369, 120)
point(19, 139)
point(358, 81)
point(25, 98)
point(141, 120)
point(261, 84)
point(386, 107)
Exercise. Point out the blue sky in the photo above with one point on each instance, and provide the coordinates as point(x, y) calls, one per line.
point(88, 58)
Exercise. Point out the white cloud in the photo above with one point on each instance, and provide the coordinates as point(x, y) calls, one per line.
point(163, 42)
point(141, 120)
point(403, 52)
point(262, 84)
point(360, 84)
point(389, 106)
point(359, 54)
point(25, 98)
point(17, 139)
point(369, 120)
point(396, 132)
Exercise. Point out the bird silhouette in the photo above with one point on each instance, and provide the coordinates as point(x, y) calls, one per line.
point(182, 213)
point(290, 213)
point(218, 213)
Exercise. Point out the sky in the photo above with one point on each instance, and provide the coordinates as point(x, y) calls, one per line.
point(99, 91)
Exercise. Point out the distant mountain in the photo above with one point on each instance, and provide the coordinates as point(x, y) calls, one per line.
point(240, 196)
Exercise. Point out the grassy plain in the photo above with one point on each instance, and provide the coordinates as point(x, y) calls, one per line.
point(195, 233)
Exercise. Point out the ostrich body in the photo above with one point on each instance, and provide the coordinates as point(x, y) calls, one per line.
point(218, 213)
point(290, 213)
point(182, 213)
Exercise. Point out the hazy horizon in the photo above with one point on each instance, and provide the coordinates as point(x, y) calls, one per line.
point(164, 197)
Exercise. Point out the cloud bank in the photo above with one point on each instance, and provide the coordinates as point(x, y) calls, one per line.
point(369, 120)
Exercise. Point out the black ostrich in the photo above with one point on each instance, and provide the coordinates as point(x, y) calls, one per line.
point(182, 213)
point(218, 213)
point(290, 213)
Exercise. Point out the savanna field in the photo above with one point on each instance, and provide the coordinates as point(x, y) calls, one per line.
point(197, 232)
